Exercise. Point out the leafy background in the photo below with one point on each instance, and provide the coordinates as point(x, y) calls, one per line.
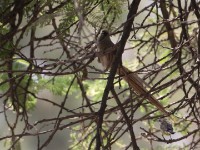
point(44, 47)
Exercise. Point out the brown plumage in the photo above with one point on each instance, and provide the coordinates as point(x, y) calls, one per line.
point(103, 44)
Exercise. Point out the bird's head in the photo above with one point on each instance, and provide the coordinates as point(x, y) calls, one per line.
point(161, 120)
point(104, 34)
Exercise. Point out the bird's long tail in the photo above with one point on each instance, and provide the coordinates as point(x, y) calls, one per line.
point(138, 86)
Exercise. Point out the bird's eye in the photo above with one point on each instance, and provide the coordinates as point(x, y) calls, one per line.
point(104, 32)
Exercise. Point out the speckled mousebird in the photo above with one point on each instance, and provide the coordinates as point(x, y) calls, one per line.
point(104, 44)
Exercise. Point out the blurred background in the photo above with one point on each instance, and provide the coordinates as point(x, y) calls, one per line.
point(49, 54)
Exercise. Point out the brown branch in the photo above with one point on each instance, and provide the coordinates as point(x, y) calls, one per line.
point(120, 50)
point(128, 122)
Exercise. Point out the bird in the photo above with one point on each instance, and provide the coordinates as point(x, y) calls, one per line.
point(104, 44)
point(108, 48)
point(166, 127)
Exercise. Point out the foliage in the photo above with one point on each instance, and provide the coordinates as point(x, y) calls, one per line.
point(51, 45)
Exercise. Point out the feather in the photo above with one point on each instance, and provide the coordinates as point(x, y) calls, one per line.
point(105, 44)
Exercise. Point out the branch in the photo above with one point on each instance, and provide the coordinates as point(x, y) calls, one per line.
point(120, 50)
